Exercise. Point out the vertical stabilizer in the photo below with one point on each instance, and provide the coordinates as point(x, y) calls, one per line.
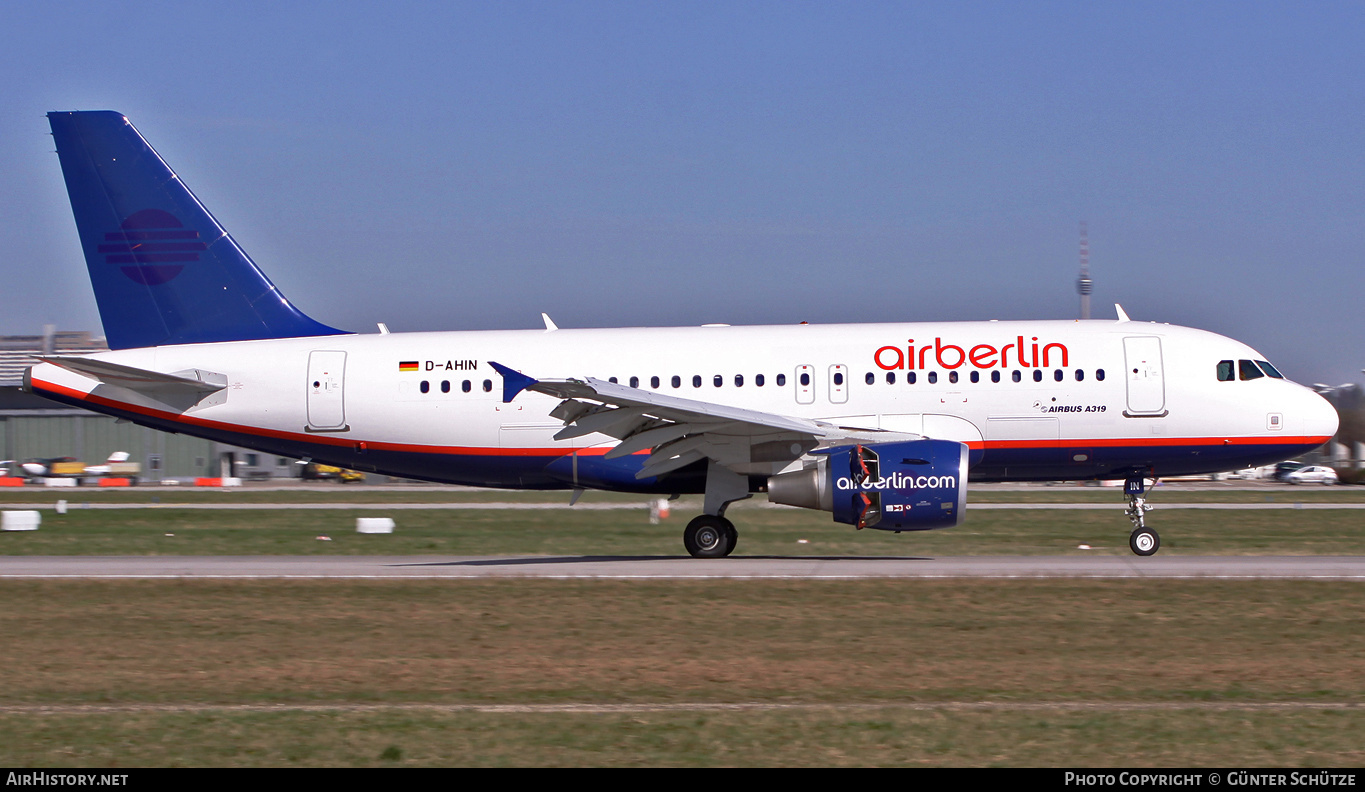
point(163, 269)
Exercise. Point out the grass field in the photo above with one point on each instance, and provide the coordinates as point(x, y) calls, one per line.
point(470, 673)
point(166, 530)
point(687, 673)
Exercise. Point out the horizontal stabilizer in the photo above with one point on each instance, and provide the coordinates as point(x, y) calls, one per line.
point(141, 380)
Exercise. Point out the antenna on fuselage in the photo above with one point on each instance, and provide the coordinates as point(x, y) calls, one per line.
point(1084, 285)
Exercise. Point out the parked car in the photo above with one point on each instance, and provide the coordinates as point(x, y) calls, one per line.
point(1283, 469)
point(1315, 474)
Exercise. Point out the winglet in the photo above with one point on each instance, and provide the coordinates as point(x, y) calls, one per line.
point(1123, 315)
point(513, 382)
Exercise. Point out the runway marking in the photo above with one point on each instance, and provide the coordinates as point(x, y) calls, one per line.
point(608, 709)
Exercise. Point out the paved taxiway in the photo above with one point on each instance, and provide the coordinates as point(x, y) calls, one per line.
point(681, 567)
point(494, 505)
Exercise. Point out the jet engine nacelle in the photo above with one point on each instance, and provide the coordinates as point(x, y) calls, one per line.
point(914, 486)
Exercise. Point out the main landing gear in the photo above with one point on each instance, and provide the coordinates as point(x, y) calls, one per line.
point(710, 535)
point(1142, 541)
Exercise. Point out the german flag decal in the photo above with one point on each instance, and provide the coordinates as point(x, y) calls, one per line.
point(408, 365)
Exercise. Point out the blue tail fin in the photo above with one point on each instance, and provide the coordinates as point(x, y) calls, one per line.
point(164, 270)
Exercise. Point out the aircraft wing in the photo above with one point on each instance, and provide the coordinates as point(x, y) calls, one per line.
point(679, 431)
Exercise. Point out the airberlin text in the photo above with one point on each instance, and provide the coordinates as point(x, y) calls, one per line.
point(451, 365)
point(897, 481)
point(1026, 354)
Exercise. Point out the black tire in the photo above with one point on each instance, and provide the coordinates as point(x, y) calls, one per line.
point(1144, 542)
point(708, 537)
point(733, 534)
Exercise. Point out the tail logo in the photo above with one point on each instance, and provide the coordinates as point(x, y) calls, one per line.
point(151, 247)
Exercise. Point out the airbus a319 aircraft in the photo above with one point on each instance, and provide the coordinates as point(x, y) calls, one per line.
point(882, 425)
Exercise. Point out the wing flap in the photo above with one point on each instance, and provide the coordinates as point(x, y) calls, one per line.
point(679, 431)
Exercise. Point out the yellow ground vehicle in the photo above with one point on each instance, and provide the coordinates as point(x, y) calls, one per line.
point(314, 471)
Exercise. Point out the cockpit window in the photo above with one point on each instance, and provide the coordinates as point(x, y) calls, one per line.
point(1247, 370)
point(1269, 370)
point(1225, 371)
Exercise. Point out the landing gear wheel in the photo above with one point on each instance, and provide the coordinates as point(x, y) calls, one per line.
point(732, 534)
point(709, 537)
point(1144, 541)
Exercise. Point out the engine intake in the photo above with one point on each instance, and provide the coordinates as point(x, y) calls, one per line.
point(914, 486)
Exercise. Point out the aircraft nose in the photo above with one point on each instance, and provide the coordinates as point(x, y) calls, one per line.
point(1317, 416)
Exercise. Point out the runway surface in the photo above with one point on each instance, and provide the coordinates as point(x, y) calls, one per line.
point(1350, 568)
point(496, 505)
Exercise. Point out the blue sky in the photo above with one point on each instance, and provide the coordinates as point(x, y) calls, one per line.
point(468, 165)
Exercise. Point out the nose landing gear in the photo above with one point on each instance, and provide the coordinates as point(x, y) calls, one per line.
point(1142, 541)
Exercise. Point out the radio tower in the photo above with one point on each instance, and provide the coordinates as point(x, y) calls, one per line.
point(1083, 284)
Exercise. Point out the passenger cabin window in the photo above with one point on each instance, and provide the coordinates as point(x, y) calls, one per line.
point(654, 382)
point(758, 380)
point(1225, 371)
point(933, 377)
point(634, 382)
point(677, 381)
point(781, 380)
point(1246, 370)
point(739, 380)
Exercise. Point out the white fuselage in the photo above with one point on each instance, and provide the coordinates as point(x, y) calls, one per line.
point(1033, 400)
